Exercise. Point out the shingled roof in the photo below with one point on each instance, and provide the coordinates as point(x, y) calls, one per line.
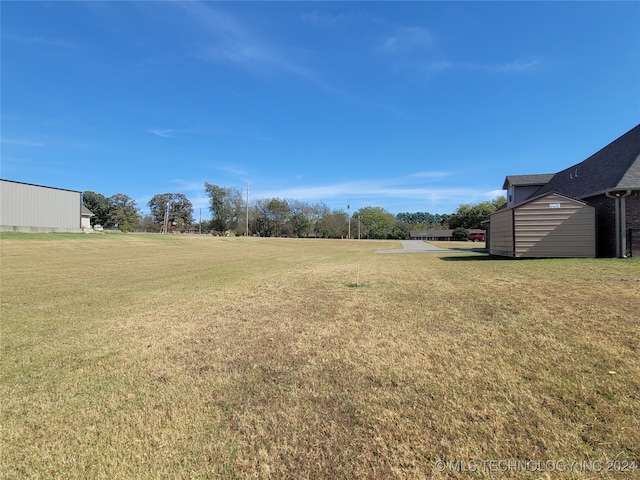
point(616, 166)
point(86, 212)
point(526, 180)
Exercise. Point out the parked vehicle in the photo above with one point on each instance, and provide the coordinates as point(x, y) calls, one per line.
point(476, 237)
point(97, 228)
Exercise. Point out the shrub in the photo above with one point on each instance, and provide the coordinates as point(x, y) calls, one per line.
point(460, 234)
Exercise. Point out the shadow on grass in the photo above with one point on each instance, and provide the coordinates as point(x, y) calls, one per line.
point(473, 258)
point(474, 250)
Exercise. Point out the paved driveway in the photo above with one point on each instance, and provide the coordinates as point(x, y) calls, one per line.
point(415, 246)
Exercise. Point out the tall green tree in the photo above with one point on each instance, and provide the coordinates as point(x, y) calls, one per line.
point(378, 223)
point(499, 202)
point(123, 212)
point(407, 221)
point(227, 207)
point(273, 215)
point(148, 224)
point(301, 219)
point(471, 215)
point(315, 213)
point(400, 231)
point(333, 224)
point(99, 206)
point(419, 218)
point(179, 207)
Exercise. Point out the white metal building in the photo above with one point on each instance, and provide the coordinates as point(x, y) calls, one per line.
point(33, 208)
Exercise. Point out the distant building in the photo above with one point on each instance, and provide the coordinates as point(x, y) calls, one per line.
point(438, 235)
point(34, 208)
point(85, 217)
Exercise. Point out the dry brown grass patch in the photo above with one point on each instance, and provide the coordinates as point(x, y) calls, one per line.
point(202, 358)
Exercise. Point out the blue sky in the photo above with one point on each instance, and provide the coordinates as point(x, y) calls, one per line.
point(410, 106)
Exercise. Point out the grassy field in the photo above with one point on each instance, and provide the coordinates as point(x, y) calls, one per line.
point(149, 356)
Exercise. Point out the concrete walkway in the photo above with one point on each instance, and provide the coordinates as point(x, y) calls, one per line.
point(415, 246)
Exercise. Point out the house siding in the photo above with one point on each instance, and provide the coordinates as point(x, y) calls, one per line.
point(549, 226)
point(554, 226)
point(502, 233)
point(521, 193)
point(85, 222)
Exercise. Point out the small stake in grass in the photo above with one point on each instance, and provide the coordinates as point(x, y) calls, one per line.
point(357, 284)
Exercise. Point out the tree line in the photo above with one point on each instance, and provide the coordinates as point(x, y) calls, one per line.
point(274, 217)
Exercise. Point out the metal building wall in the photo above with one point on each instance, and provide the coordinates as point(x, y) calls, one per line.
point(501, 228)
point(33, 208)
point(551, 225)
point(554, 226)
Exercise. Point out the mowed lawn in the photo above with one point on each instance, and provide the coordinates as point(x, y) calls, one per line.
point(149, 356)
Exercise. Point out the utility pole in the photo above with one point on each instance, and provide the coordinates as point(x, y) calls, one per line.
point(247, 226)
point(201, 221)
point(349, 213)
point(165, 223)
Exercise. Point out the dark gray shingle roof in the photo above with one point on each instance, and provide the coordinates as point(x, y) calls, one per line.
point(525, 180)
point(85, 211)
point(616, 166)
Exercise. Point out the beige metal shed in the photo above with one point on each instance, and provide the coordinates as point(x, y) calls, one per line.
point(551, 225)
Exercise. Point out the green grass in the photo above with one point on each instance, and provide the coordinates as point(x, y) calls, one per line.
point(149, 356)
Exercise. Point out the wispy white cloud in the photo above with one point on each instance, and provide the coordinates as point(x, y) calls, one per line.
point(325, 19)
point(420, 191)
point(435, 174)
point(440, 66)
point(21, 142)
point(406, 42)
point(231, 129)
point(494, 193)
point(344, 19)
point(391, 194)
point(7, 159)
point(517, 66)
point(42, 41)
point(180, 185)
point(232, 170)
point(226, 40)
point(406, 39)
point(420, 188)
point(164, 133)
point(371, 189)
